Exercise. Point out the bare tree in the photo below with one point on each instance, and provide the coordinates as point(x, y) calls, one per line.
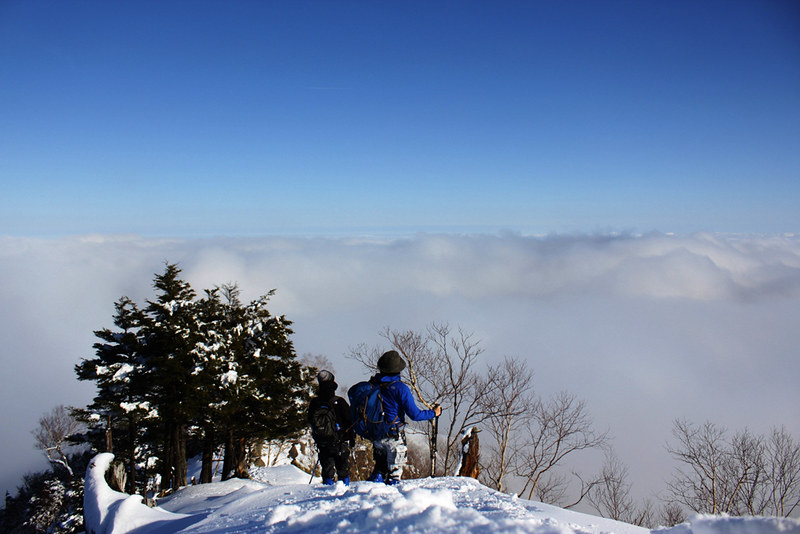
point(317, 361)
point(783, 473)
point(559, 427)
point(529, 437)
point(365, 355)
point(702, 451)
point(52, 433)
point(421, 365)
point(611, 497)
point(743, 475)
point(440, 370)
point(647, 515)
point(507, 400)
point(456, 384)
point(672, 514)
point(552, 489)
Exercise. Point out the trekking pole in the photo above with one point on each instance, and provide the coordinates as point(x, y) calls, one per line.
point(434, 439)
point(313, 470)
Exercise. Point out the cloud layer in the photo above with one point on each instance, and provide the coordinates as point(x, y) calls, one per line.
point(646, 328)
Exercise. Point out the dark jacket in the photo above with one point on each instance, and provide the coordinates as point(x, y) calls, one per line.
point(327, 394)
point(399, 402)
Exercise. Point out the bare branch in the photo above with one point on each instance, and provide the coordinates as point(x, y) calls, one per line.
point(559, 427)
point(743, 475)
point(52, 433)
point(507, 402)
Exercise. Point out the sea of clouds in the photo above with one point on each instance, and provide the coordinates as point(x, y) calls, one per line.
point(645, 328)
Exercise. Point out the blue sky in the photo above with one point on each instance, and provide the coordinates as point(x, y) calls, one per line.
point(247, 118)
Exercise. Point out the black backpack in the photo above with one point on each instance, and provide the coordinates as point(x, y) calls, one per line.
point(323, 422)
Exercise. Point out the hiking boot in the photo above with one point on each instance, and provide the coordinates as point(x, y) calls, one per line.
point(327, 481)
point(377, 477)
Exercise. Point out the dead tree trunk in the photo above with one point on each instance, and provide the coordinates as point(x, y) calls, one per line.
point(470, 454)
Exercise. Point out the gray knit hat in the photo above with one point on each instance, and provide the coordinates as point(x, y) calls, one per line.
point(325, 376)
point(391, 363)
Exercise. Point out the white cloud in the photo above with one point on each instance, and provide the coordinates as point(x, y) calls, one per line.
point(700, 326)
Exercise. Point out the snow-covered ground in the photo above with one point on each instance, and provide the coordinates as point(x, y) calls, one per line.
point(284, 499)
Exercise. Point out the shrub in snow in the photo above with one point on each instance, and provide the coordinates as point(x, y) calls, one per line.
point(50, 501)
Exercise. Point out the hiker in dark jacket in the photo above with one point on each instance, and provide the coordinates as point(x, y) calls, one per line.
point(334, 442)
point(390, 453)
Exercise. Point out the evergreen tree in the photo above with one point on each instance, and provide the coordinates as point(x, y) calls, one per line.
point(213, 371)
point(212, 352)
point(254, 385)
point(115, 416)
point(170, 331)
point(278, 384)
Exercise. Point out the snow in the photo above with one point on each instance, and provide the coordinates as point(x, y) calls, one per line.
point(128, 407)
point(106, 511)
point(122, 373)
point(283, 499)
point(230, 378)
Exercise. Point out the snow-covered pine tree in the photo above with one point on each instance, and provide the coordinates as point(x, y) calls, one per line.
point(264, 389)
point(114, 418)
point(170, 331)
point(213, 362)
point(211, 370)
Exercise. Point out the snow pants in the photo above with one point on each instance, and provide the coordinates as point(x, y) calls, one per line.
point(334, 459)
point(390, 455)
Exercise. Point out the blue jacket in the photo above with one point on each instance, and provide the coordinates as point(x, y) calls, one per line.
point(399, 402)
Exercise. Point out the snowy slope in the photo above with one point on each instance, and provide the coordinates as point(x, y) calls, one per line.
point(286, 502)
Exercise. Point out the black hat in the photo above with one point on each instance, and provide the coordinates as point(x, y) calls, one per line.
point(391, 363)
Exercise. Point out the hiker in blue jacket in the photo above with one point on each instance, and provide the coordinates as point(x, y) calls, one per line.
point(390, 452)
